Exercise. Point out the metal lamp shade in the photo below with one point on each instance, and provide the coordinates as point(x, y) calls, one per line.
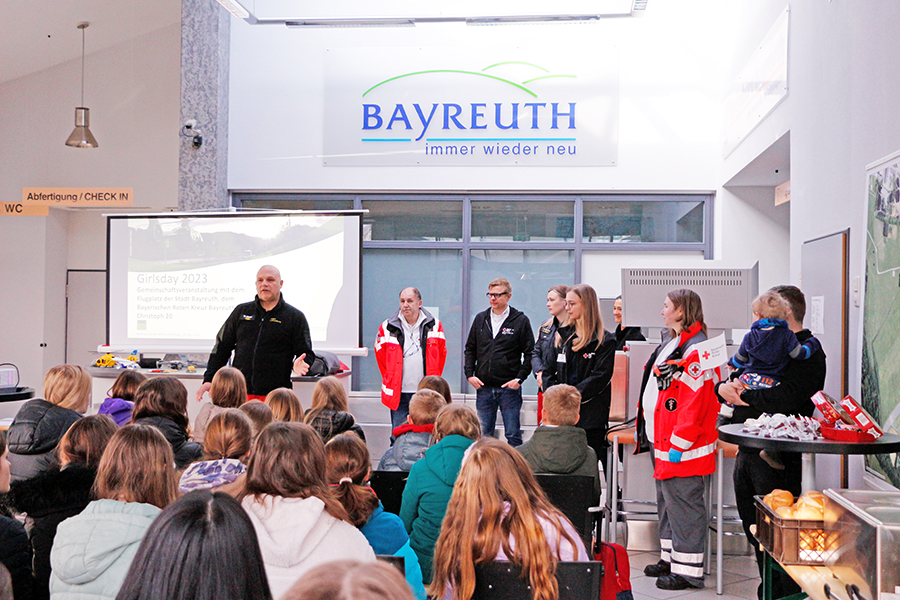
point(81, 136)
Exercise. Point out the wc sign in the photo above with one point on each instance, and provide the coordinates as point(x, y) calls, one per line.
point(450, 106)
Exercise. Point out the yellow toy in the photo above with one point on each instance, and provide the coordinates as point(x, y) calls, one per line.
point(107, 360)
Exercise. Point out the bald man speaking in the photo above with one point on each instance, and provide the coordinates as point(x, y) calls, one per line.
point(268, 336)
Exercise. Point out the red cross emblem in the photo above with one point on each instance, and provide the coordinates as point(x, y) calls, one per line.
point(706, 355)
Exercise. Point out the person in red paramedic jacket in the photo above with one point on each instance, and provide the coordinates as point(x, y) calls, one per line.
point(409, 346)
point(684, 445)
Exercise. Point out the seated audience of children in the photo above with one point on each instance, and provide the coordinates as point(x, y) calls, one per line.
point(348, 469)
point(557, 446)
point(229, 390)
point(260, 414)
point(285, 406)
point(120, 398)
point(201, 547)
point(162, 403)
point(413, 438)
point(41, 423)
point(431, 480)
point(298, 521)
point(269, 507)
point(93, 550)
point(225, 451)
point(499, 512)
point(329, 414)
point(53, 496)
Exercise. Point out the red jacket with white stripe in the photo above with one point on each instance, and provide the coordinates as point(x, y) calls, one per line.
point(685, 419)
point(389, 354)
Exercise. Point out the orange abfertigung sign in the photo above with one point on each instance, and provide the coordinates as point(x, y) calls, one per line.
point(78, 196)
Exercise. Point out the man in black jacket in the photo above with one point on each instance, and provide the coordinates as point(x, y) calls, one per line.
point(752, 475)
point(269, 338)
point(498, 359)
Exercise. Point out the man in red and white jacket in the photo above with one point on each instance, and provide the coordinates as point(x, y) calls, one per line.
point(684, 448)
point(409, 346)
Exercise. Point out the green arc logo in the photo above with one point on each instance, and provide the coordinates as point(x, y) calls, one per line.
point(481, 73)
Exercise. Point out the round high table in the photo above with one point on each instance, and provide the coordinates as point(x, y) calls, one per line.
point(887, 443)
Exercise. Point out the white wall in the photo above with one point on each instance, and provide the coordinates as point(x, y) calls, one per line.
point(844, 116)
point(133, 92)
point(754, 229)
point(670, 98)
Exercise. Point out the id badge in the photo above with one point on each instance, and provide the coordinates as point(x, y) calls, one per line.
point(561, 358)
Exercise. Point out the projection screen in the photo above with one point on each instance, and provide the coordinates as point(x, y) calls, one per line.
point(174, 278)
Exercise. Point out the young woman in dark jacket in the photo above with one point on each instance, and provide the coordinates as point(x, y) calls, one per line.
point(543, 346)
point(162, 403)
point(584, 356)
point(53, 496)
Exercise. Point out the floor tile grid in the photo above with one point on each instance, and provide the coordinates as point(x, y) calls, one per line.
point(740, 580)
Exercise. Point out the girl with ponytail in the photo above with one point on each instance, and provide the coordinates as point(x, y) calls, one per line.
point(347, 470)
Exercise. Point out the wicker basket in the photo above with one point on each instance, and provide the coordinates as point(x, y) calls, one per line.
point(793, 541)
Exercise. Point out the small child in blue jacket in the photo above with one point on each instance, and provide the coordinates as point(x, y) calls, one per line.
point(412, 439)
point(766, 350)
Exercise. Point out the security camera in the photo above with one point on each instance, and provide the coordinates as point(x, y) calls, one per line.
point(197, 141)
point(190, 123)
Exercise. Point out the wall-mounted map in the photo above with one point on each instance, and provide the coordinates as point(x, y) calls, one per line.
point(881, 323)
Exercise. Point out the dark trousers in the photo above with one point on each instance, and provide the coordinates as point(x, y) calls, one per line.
point(398, 417)
point(596, 439)
point(509, 401)
point(683, 524)
point(754, 477)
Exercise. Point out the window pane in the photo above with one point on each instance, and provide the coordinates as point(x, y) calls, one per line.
point(426, 220)
point(530, 273)
point(287, 203)
point(523, 221)
point(643, 221)
point(438, 276)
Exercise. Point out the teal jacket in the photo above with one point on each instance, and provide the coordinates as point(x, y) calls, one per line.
point(427, 493)
point(92, 551)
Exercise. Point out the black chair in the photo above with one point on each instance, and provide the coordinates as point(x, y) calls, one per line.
point(503, 581)
point(573, 495)
point(398, 562)
point(388, 486)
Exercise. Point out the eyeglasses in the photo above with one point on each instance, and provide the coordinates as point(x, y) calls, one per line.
point(495, 295)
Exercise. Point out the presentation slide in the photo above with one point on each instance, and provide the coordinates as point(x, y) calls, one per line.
point(173, 280)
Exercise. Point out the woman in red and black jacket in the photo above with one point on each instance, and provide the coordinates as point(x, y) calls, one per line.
point(678, 408)
point(584, 356)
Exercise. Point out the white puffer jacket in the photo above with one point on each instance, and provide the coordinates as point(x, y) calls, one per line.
point(296, 534)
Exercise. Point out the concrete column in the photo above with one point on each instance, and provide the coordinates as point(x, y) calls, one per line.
point(205, 51)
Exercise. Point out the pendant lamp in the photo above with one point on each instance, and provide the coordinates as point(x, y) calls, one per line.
point(81, 136)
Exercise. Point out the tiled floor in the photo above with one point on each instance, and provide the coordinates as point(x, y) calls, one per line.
point(740, 579)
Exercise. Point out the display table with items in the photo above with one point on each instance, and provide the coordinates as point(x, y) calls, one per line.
point(885, 444)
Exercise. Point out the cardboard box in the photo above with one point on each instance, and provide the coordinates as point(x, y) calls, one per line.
point(831, 409)
point(861, 417)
